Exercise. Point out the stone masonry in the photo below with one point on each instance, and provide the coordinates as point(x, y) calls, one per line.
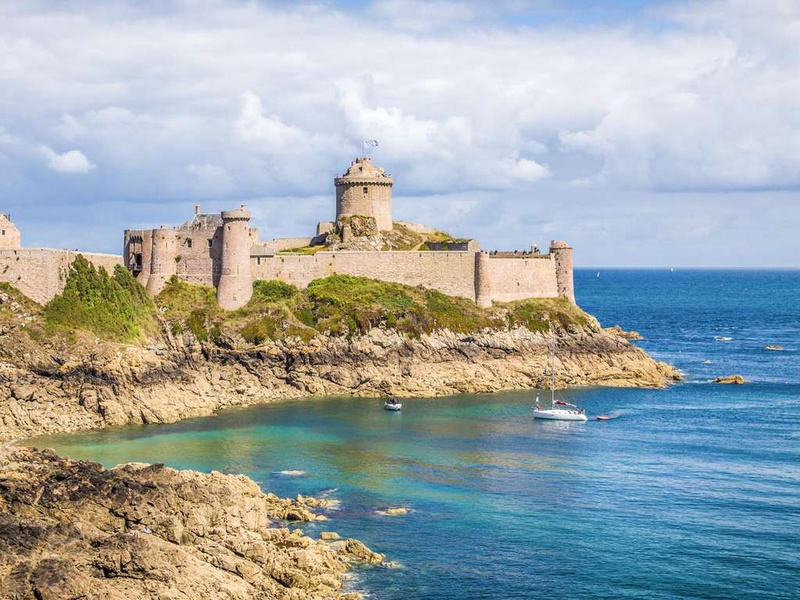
point(223, 251)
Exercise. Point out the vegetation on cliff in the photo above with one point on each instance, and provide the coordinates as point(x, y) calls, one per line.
point(345, 305)
point(114, 307)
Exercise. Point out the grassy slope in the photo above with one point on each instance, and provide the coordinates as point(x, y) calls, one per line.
point(115, 307)
point(343, 305)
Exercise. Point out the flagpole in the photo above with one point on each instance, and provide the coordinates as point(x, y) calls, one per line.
point(363, 147)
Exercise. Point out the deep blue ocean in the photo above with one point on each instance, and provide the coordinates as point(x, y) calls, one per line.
point(688, 492)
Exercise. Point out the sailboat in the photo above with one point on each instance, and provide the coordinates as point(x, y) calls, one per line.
point(559, 410)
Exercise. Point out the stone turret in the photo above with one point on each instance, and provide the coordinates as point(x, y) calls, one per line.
point(562, 256)
point(365, 190)
point(162, 259)
point(235, 285)
point(9, 234)
point(483, 290)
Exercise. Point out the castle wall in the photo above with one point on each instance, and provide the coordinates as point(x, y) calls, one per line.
point(452, 273)
point(510, 279)
point(41, 273)
point(10, 236)
point(197, 261)
point(137, 253)
point(281, 244)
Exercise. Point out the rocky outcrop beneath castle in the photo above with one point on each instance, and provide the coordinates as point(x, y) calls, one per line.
point(93, 384)
point(74, 530)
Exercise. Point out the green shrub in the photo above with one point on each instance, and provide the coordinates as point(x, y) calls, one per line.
point(274, 290)
point(113, 307)
point(196, 323)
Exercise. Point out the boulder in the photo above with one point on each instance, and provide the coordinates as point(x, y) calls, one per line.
point(357, 550)
point(628, 335)
point(730, 379)
point(71, 529)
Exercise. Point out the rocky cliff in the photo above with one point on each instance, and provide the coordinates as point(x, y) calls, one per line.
point(74, 530)
point(49, 386)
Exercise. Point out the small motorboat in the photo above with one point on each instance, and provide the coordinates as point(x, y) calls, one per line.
point(392, 404)
point(603, 417)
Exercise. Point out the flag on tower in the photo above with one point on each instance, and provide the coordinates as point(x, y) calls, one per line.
point(371, 142)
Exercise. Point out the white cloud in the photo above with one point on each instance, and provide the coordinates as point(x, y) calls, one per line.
point(70, 128)
point(252, 125)
point(210, 180)
point(72, 161)
point(528, 170)
point(270, 100)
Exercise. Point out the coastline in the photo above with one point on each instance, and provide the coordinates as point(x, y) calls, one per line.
point(96, 385)
point(74, 529)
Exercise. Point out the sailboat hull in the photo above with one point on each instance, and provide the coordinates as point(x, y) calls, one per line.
point(559, 414)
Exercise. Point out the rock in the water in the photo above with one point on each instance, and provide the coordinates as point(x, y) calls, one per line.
point(733, 379)
point(393, 512)
point(628, 335)
point(71, 529)
point(355, 549)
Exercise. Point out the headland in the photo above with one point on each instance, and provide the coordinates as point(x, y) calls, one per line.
point(192, 319)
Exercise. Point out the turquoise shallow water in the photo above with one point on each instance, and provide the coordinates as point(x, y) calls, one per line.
point(689, 492)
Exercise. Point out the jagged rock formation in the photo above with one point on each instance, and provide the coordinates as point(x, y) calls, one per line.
point(92, 384)
point(74, 530)
point(730, 379)
point(628, 335)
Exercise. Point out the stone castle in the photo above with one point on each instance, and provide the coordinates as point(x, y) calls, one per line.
point(223, 251)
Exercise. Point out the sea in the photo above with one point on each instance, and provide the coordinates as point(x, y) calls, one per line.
point(692, 491)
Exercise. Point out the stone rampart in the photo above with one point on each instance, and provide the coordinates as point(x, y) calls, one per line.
point(474, 275)
point(41, 273)
point(281, 244)
point(199, 255)
point(512, 279)
point(452, 273)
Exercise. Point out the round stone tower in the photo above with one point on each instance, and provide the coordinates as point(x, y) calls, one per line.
point(162, 259)
point(235, 285)
point(562, 256)
point(365, 190)
point(483, 289)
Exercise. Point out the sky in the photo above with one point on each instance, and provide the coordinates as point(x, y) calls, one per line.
point(644, 133)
